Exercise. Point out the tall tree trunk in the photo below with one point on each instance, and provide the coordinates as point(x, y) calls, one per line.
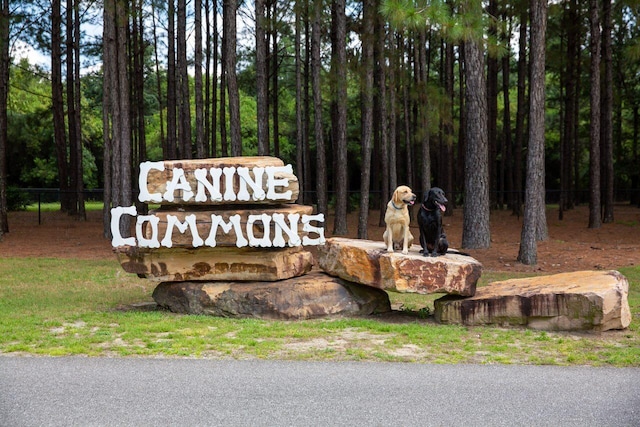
point(408, 131)
point(171, 151)
point(57, 104)
point(184, 104)
point(262, 79)
point(117, 110)
point(306, 101)
point(462, 127)
point(4, 93)
point(394, 72)
point(447, 183)
point(275, 89)
point(492, 106)
point(124, 109)
point(386, 118)
point(534, 226)
point(71, 112)
point(366, 96)
point(520, 115)
point(595, 220)
point(316, 68)
point(339, 124)
point(201, 151)
point(566, 150)
point(214, 86)
point(138, 55)
point(423, 113)
point(82, 215)
point(109, 86)
point(506, 169)
point(230, 36)
point(606, 121)
point(224, 138)
point(163, 141)
point(475, 230)
point(634, 144)
point(300, 130)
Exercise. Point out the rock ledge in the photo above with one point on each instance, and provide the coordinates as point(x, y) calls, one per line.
point(367, 262)
point(581, 300)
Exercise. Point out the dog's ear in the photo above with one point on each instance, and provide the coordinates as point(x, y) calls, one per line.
point(396, 196)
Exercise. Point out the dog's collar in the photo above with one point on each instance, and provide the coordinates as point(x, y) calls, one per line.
point(425, 208)
point(394, 205)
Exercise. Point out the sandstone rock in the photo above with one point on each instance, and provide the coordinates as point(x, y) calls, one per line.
point(368, 262)
point(179, 264)
point(582, 300)
point(310, 296)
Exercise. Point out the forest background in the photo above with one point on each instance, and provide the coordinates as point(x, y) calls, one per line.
point(505, 105)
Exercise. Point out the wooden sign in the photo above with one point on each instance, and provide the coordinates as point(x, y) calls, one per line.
point(222, 181)
point(219, 219)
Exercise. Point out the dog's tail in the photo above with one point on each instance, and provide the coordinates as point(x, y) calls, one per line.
point(457, 252)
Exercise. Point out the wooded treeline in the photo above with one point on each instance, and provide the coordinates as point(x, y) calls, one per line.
point(495, 102)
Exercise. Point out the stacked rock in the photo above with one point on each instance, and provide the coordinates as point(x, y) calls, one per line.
point(229, 239)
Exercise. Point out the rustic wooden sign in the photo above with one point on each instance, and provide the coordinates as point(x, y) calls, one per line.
point(230, 218)
point(222, 181)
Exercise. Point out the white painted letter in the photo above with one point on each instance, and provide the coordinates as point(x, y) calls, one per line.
point(229, 193)
point(216, 220)
point(189, 221)
point(306, 219)
point(255, 184)
point(272, 182)
point(291, 229)
point(178, 182)
point(144, 195)
point(213, 186)
point(265, 241)
point(117, 239)
point(143, 242)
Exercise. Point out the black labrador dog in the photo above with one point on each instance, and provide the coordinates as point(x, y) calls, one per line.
point(432, 238)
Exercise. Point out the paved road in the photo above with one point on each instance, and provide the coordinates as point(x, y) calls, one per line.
point(162, 392)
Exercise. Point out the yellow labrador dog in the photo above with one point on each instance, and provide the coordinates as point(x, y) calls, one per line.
point(397, 219)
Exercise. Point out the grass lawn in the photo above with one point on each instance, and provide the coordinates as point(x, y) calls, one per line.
point(76, 307)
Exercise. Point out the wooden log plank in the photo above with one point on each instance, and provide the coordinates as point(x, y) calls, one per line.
point(156, 181)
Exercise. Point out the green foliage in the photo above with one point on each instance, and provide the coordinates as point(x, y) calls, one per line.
point(31, 156)
point(17, 200)
point(461, 20)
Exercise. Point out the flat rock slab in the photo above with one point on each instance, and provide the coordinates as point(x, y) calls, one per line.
point(311, 296)
point(367, 262)
point(210, 264)
point(581, 300)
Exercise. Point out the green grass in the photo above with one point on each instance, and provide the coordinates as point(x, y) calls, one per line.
point(55, 206)
point(75, 307)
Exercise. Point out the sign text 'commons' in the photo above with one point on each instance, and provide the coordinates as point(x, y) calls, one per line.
point(219, 185)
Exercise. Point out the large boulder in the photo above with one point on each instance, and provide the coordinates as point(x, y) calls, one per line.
point(223, 263)
point(582, 300)
point(310, 296)
point(368, 262)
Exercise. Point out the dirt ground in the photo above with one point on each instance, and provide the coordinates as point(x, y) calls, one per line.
point(571, 245)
